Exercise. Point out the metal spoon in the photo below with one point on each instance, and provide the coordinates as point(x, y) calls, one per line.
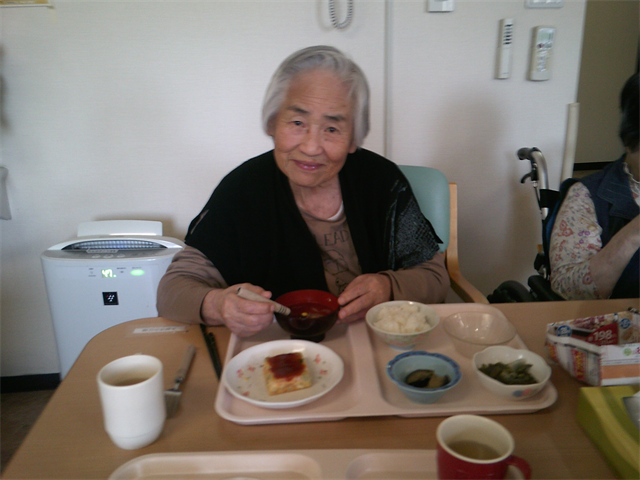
point(172, 396)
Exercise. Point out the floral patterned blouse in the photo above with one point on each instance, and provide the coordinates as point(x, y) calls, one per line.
point(575, 238)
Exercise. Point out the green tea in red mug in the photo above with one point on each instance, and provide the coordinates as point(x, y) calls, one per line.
point(475, 447)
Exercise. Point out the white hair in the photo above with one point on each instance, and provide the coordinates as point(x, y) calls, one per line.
point(324, 58)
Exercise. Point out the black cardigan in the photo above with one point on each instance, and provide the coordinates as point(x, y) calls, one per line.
point(252, 230)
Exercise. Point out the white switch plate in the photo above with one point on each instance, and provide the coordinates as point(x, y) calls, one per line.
point(440, 5)
point(543, 3)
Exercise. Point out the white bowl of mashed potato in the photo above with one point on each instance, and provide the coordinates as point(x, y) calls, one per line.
point(401, 323)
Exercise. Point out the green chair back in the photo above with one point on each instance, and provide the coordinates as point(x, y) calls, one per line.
point(431, 189)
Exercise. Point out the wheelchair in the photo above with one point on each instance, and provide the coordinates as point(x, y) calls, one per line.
point(539, 285)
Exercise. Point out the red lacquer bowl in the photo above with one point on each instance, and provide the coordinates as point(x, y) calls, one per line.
point(313, 313)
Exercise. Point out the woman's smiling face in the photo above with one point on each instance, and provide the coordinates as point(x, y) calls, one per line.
point(313, 130)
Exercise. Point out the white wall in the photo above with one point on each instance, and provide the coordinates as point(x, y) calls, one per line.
point(450, 113)
point(125, 109)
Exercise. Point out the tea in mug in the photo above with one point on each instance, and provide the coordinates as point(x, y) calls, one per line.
point(125, 382)
point(474, 450)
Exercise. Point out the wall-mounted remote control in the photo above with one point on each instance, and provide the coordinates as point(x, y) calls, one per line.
point(541, 48)
point(505, 39)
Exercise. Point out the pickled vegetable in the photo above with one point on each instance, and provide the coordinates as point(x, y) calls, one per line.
point(514, 373)
point(426, 379)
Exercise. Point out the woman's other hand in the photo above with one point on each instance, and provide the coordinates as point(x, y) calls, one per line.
point(361, 294)
point(243, 317)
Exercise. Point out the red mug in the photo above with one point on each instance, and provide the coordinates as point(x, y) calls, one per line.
point(474, 447)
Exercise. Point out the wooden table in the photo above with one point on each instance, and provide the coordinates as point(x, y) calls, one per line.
point(69, 441)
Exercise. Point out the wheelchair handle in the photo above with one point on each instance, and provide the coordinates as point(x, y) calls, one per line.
point(524, 153)
point(538, 173)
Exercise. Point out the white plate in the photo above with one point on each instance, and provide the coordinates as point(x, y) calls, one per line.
point(243, 375)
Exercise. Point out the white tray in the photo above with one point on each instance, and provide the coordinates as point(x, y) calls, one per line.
point(286, 465)
point(365, 389)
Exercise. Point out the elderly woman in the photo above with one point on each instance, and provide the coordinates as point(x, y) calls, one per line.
point(316, 212)
point(596, 235)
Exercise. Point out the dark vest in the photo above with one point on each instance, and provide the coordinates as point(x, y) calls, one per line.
point(615, 207)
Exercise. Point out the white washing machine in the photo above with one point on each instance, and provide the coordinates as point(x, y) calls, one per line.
point(108, 275)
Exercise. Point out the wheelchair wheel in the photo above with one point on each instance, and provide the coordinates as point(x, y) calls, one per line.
point(541, 289)
point(510, 292)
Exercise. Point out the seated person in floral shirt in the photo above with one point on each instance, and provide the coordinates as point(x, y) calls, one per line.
point(595, 239)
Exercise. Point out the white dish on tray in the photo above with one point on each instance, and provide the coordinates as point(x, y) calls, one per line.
point(338, 464)
point(243, 376)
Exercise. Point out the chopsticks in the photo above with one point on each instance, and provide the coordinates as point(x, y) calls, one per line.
point(249, 295)
point(210, 340)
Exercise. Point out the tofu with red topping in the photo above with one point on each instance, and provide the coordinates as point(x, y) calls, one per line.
point(286, 372)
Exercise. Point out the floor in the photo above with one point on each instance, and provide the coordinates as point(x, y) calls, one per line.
point(18, 413)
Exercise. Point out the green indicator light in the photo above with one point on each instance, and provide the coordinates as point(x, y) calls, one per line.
point(137, 272)
point(107, 273)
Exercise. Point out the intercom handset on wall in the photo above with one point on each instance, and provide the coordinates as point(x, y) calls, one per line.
point(541, 48)
point(505, 39)
point(334, 19)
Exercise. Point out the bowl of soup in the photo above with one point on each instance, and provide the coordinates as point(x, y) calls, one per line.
point(313, 313)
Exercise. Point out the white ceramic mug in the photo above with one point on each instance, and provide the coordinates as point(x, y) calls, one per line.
point(132, 396)
point(475, 447)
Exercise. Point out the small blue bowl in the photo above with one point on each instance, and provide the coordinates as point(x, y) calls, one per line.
point(405, 363)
